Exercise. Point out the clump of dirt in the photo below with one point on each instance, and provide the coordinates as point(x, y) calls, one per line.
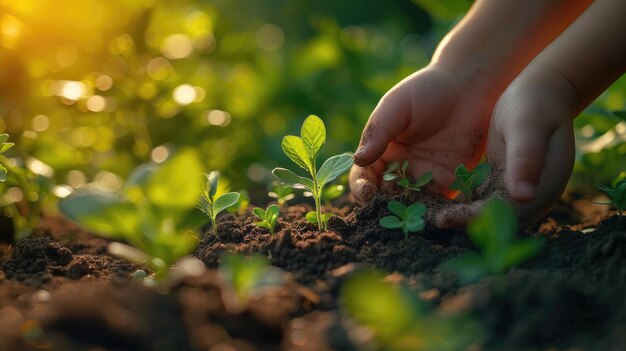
point(36, 260)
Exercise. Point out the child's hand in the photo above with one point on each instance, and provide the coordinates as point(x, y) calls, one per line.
point(531, 148)
point(434, 119)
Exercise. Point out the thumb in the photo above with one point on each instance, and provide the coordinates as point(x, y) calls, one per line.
point(526, 148)
point(387, 120)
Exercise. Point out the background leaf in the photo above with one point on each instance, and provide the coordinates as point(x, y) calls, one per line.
point(178, 182)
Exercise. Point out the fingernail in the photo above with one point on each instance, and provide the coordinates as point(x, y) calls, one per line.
point(358, 153)
point(525, 190)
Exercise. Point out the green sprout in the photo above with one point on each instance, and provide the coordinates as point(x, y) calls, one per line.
point(399, 320)
point(493, 231)
point(303, 151)
point(4, 146)
point(148, 213)
point(408, 218)
point(211, 204)
point(281, 192)
point(397, 172)
point(242, 278)
point(468, 181)
point(617, 195)
point(268, 217)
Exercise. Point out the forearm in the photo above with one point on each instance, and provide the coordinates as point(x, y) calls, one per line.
point(590, 54)
point(498, 38)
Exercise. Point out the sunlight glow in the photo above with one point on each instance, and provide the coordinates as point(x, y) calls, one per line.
point(184, 94)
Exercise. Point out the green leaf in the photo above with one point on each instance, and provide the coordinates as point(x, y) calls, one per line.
point(390, 176)
point(397, 208)
point(4, 137)
point(272, 210)
point(494, 229)
point(259, 213)
point(390, 222)
point(469, 268)
point(294, 148)
point(177, 183)
point(480, 173)
point(416, 210)
point(334, 167)
point(414, 224)
point(212, 181)
point(141, 176)
point(424, 179)
point(5, 146)
point(288, 177)
point(521, 251)
point(313, 134)
point(103, 212)
point(332, 192)
point(311, 217)
point(3, 173)
point(224, 201)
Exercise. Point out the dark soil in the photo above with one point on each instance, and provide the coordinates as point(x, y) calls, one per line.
point(60, 290)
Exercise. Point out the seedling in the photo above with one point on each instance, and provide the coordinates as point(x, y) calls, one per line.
point(243, 278)
point(408, 218)
point(148, 213)
point(468, 181)
point(268, 217)
point(303, 151)
point(398, 319)
point(4, 146)
point(617, 196)
point(493, 231)
point(398, 172)
point(212, 205)
point(281, 192)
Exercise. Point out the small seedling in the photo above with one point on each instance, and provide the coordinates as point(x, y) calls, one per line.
point(399, 320)
point(303, 151)
point(281, 192)
point(268, 217)
point(211, 204)
point(468, 181)
point(493, 231)
point(617, 195)
point(244, 278)
point(398, 172)
point(4, 146)
point(148, 213)
point(408, 218)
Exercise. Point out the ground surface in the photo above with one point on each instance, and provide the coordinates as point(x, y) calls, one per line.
point(61, 290)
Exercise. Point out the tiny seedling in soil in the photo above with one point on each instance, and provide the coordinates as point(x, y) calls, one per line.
point(398, 319)
point(617, 195)
point(242, 278)
point(281, 192)
point(408, 218)
point(468, 181)
point(211, 204)
point(493, 231)
point(148, 214)
point(303, 151)
point(397, 172)
point(268, 217)
point(4, 146)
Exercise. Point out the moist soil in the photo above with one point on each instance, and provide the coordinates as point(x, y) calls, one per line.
point(60, 290)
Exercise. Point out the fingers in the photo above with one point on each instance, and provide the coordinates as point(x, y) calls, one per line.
point(525, 154)
point(364, 181)
point(388, 119)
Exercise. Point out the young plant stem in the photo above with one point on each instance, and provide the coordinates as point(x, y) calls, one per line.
point(317, 194)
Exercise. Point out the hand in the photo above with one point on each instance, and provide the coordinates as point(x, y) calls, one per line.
point(434, 119)
point(530, 147)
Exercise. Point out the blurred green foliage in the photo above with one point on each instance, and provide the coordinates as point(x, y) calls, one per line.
point(102, 86)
